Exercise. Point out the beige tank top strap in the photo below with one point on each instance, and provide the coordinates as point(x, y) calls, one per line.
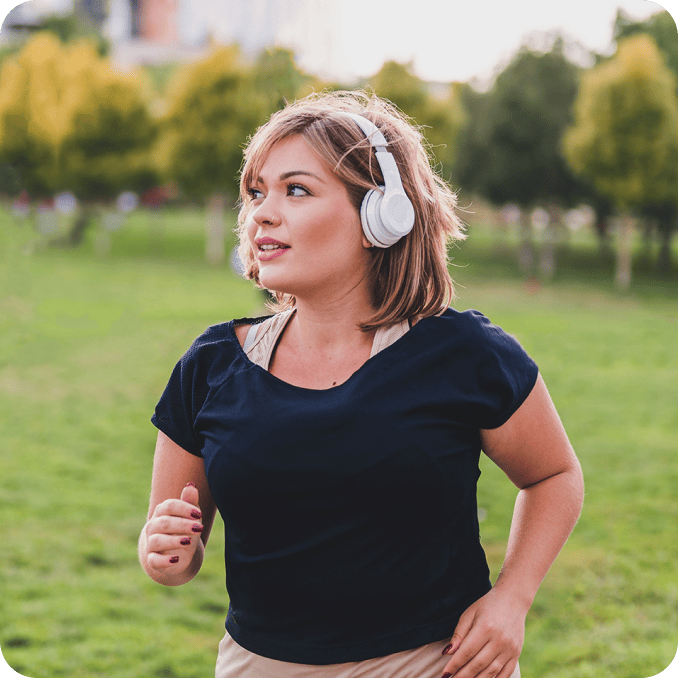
point(385, 336)
point(260, 350)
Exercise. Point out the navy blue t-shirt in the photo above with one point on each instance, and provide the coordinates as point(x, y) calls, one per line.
point(350, 513)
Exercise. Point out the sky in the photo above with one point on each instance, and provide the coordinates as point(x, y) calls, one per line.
point(446, 40)
point(451, 40)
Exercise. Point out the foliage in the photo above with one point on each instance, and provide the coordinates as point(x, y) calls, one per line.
point(278, 80)
point(70, 121)
point(625, 135)
point(211, 111)
point(73, 26)
point(660, 26)
point(510, 148)
point(440, 119)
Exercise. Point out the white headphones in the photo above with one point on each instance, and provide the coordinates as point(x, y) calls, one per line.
point(386, 213)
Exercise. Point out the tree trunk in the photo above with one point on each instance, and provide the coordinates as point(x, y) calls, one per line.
point(547, 259)
point(215, 230)
point(526, 247)
point(665, 233)
point(625, 226)
point(602, 231)
point(76, 234)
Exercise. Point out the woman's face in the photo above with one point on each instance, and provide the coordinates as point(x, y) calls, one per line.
point(302, 227)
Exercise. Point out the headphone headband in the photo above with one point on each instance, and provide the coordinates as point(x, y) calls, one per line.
point(370, 130)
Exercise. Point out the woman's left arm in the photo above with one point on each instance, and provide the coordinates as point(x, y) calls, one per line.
point(533, 450)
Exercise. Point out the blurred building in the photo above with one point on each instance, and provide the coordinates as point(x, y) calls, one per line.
point(159, 31)
point(146, 31)
point(96, 10)
point(24, 18)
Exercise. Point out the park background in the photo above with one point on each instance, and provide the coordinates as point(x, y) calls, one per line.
point(117, 207)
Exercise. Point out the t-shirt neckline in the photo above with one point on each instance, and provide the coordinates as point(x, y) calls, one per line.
point(241, 353)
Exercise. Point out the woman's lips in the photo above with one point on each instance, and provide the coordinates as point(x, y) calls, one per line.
point(266, 255)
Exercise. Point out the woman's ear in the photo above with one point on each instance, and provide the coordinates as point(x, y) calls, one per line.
point(366, 243)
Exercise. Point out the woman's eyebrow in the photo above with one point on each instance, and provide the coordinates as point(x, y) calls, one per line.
point(287, 175)
point(293, 173)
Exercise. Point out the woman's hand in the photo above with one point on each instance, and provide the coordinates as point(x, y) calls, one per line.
point(173, 532)
point(172, 542)
point(488, 639)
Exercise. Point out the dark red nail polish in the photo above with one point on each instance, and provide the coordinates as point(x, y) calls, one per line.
point(448, 648)
point(185, 541)
point(196, 514)
point(447, 675)
point(197, 527)
point(174, 559)
point(190, 484)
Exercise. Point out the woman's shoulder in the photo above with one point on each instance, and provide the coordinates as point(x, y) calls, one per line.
point(221, 339)
point(473, 331)
point(220, 333)
point(451, 320)
point(226, 332)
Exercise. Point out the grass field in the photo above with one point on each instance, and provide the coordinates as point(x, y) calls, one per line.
point(87, 343)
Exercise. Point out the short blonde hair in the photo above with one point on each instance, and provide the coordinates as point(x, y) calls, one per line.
point(409, 279)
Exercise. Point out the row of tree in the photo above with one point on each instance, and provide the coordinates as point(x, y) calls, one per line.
point(551, 134)
point(547, 133)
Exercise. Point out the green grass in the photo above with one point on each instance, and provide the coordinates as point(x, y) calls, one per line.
point(87, 343)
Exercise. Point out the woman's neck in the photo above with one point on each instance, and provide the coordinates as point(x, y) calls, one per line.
point(330, 327)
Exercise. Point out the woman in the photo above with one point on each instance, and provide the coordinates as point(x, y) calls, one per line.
point(340, 437)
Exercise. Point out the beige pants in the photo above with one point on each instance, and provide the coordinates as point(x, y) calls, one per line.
point(422, 662)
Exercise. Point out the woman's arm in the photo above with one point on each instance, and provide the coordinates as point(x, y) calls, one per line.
point(180, 516)
point(533, 450)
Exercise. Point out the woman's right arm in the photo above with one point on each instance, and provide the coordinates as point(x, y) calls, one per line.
point(180, 516)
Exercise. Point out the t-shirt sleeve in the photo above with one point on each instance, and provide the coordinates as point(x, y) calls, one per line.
point(183, 397)
point(504, 373)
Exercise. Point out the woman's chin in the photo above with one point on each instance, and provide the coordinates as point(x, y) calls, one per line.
point(274, 283)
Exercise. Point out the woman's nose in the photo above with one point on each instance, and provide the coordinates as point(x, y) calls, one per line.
point(267, 212)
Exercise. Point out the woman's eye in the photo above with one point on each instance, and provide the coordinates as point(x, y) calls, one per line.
point(296, 191)
point(254, 193)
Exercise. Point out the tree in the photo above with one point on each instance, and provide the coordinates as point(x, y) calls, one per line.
point(278, 80)
point(440, 118)
point(660, 26)
point(69, 121)
point(625, 136)
point(510, 150)
point(71, 27)
point(212, 109)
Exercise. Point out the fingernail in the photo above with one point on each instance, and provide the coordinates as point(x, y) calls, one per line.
point(190, 484)
point(185, 541)
point(174, 559)
point(447, 675)
point(196, 514)
point(448, 648)
point(197, 527)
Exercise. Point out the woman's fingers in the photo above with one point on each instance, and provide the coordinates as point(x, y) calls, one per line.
point(173, 525)
point(471, 657)
point(485, 664)
point(161, 543)
point(190, 495)
point(166, 561)
point(178, 509)
point(173, 531)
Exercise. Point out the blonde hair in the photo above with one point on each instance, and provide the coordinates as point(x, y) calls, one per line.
point(409, 279)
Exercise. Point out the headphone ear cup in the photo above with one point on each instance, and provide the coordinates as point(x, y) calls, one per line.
point(369, 217)
point(386, 218)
